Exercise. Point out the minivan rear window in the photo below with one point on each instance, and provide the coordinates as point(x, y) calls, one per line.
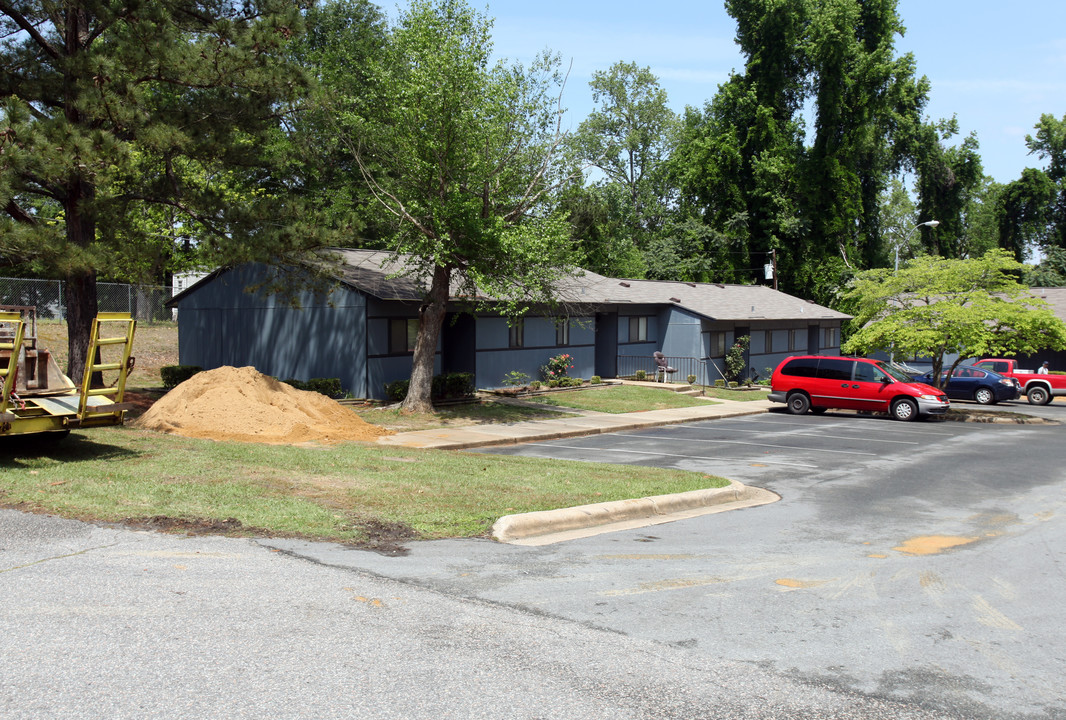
point(801, 367)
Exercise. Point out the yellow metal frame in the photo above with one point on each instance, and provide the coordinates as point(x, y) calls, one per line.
point(96, 341)
point(7, 374)
point(91, 407)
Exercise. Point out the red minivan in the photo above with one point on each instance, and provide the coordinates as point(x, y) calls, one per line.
point(817, 383)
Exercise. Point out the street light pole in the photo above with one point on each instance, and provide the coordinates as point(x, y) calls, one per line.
point(927, 223)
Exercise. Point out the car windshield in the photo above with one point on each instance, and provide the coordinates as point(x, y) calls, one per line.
point(895, 374)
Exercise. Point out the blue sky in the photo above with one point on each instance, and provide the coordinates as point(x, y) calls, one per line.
point(996, 65)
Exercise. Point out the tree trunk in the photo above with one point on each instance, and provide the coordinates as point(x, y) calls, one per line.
point(80, 295)
point(430, 321)
point(80, 220)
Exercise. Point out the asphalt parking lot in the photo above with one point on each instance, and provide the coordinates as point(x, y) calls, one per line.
point(767, 450)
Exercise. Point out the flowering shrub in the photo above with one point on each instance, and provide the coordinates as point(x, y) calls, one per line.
point(734, 358)
point(558, 367)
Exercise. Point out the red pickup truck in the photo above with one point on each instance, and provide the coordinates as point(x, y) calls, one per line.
point(1039, 389)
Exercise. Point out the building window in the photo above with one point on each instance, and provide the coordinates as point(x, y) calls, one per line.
point(830, 337)
point(517, 335)
point(638, 329)
point(562, 332)
point(793, 338)
point(769, 342)
point(717, 348)
point(403, 333)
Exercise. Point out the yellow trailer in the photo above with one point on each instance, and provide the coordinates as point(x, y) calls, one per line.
point(36, 398)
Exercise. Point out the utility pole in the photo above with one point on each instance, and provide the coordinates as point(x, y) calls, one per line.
point(769, 269)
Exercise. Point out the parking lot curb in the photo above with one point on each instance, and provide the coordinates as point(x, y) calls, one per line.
point(534, 527)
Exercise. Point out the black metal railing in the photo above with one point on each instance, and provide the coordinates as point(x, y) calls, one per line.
point(628, 365)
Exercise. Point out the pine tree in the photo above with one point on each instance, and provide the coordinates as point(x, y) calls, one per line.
point(112, 110)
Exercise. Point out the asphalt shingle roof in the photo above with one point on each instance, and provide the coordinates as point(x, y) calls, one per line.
point(375, 273)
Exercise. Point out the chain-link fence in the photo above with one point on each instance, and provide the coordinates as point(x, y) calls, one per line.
point(146, 303)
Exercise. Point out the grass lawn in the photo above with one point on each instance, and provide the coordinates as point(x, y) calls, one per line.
point(154, 346)
point(353, 493)
point(619, 399)
point(730, 394)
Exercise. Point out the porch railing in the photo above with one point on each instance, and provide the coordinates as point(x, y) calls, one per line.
point(628, 365)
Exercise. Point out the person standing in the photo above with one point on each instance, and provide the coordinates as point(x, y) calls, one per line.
point(1043, 369)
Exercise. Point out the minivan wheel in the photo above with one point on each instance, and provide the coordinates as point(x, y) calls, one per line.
point(798, 403)
point(984, 396)
point(904, 409)
point(1038, 396)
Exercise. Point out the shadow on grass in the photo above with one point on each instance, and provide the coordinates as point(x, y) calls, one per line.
point(58, 446)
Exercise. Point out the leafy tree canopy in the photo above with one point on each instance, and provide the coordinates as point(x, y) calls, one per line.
point(935, 306)
point(463, 152)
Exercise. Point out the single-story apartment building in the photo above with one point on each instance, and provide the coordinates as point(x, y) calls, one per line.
point(363, 328)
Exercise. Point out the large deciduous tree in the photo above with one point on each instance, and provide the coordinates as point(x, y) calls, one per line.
point(343, 40)
point(747, 166)
point(737, 164)
point(111, 108)
point(866, 101)
point(935, 306)
point(629, 137)
point(1033, 207)
point(949, 179)
point(462, 152)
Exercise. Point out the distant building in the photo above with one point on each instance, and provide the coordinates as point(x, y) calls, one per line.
point(180, 282)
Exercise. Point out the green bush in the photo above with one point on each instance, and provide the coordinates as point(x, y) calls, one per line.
point(174, 375)
point(691, 379)
point(330, 387)
point(397, 390)
point(719, 383)
point(515, 378)
point(734, 384)
point(596, 380)
point(640, 375)
point(535, 385)
point(451, 386)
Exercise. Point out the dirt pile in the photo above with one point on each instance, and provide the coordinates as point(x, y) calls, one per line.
point(244, 405)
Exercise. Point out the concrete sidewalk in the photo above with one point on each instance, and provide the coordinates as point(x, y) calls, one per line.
point(568, 425)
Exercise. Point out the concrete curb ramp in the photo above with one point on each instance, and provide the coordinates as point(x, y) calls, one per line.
point(550, 526)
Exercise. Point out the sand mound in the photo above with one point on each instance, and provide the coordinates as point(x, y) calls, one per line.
point(244, 405)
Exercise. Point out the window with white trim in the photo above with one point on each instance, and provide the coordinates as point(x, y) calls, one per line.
point(638, 329)
point(516, 336)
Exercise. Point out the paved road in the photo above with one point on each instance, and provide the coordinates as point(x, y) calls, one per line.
point(915, 562)
point(111, 624)
point(812, 607)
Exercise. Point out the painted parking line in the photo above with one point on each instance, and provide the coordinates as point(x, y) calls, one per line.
point(717, 458)
point(881, 428)
point(791, 435)
point(740, 442)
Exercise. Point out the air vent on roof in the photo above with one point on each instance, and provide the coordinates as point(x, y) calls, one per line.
point(624, 284)
point(677, 300)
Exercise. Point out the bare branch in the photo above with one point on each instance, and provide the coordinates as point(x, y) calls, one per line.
point(30, 29)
